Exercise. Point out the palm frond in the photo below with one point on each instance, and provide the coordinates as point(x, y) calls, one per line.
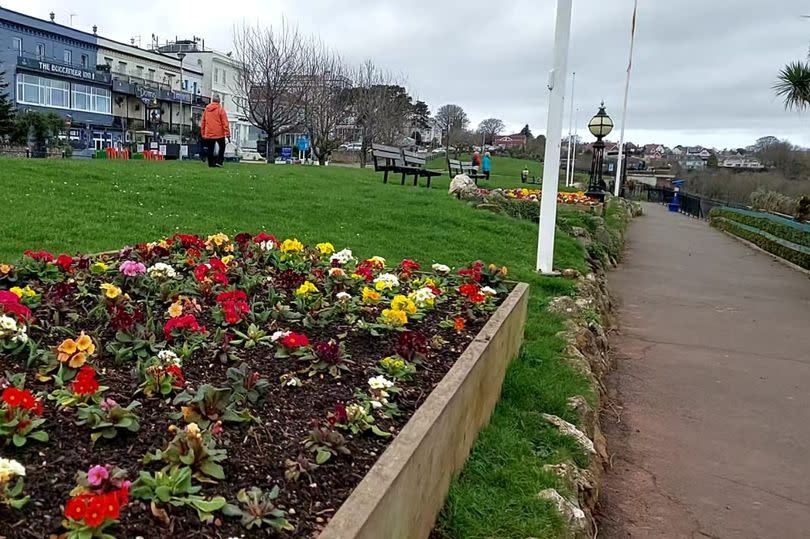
point(793, 85)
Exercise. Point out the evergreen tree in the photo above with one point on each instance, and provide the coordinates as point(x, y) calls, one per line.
point(6, 110)
point(526, 131)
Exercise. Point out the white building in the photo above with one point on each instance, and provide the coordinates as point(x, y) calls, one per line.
point(220, 77)
point(742, 162)
point(148, 95)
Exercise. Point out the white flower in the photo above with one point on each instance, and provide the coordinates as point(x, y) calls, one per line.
point(167, 356)
point(342, 257)
point(386, 280)
point(267, 246)
point(8, 324)
point(441, 268)
point(22, 336)
point(161, 271)
point(423, 296)
point(488, 291)
point(343, 296)
point(278, 335)
point(376, 404)
point(380, 382)
point(10, 469)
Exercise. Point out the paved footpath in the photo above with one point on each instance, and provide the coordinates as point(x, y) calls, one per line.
point(710, 434)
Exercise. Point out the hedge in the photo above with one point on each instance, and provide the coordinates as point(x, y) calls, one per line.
point(780, 227)
point(801, 259)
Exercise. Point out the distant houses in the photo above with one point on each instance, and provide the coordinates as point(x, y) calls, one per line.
point(741, 162)
point(509, 141)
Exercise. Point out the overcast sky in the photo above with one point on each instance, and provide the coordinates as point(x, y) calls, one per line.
point(702, 74)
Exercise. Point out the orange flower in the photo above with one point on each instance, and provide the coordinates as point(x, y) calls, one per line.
point(458, 324)
point(77, 360)
point(68, 347)
point(85, 343)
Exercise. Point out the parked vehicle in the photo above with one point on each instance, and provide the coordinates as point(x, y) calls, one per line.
point(352, 146)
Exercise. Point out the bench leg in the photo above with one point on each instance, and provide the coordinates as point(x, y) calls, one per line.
point(415, 180)
point(403, 179)
point(428, 182)
point(385, 177)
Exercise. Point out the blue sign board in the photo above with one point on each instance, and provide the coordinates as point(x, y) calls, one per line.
point(286, 153)
point(303, 143)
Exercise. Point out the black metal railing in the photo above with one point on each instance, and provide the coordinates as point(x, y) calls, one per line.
point(688, 204)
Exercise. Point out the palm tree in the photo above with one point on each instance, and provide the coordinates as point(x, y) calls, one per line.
point(793, 85)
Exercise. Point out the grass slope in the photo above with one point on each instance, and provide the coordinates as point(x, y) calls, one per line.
point(80, 206)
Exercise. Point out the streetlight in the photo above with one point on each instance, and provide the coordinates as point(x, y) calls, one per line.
point(600, 126)
point(181, 55)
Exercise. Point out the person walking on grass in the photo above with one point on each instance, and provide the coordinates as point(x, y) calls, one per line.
point(476, 160)
point(215, 128)
point(487, 165)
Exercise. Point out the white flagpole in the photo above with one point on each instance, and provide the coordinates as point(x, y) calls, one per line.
point(574, 164)
point(626, 93)
point(568, 179)
point(551, 166)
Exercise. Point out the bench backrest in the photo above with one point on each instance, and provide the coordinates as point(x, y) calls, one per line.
point(414, 159)
point(456, 166)
point(388, 155)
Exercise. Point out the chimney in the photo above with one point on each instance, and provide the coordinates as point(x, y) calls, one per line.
point(95, 29)
point(53, 17)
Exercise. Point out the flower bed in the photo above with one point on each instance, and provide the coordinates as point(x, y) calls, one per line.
point(212, 387)
point(534, 195)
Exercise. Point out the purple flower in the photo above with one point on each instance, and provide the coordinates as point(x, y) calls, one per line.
point(97, 475)
point(108, 404)
point(131, 268)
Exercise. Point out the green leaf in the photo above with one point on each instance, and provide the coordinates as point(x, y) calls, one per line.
point(95, 436)
point(231, 510)
point(163, 493)
point(18, 440)
point(212, 469)
point(379, 432)
point(40, 436)
point(19, 502)
point(322, 456)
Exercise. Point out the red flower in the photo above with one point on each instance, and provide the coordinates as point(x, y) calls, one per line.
point(65, 262)
point(295, 340)
point(112, 507)
point(12, 396)
point(27, 400)
point(96, 511)
point(221, 278)
point(42, 256)
point(339, 415)
point(478, 298)
point(10, 303)
point(473, 272)
point(407, 267)
point(190, 240)
point(234, 295)
point(243, 238)
point(187, 322)
point(122, 494)
point(468, 290)
point(200, 272)
point(364, 272)
point(262, 237)
point(217, 265)
point(193, 253)
point(458, 324)
point(234, 310)
point(177, 375)
point(86, 383)
point(76, 508)
point(8, 297)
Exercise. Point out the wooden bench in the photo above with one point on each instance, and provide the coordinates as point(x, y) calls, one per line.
point(406, 163)
point(456, 167)
point(416, 162)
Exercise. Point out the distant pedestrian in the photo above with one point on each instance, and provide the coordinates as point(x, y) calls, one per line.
point(487, 165)
point(476, 160)
point(215, 129)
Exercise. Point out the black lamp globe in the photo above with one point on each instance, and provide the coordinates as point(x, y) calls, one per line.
point(600, 126)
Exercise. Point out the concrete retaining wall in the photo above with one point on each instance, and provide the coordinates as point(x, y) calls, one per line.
point(403, 493)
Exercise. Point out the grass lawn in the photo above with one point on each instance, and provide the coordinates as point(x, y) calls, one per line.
point(505, 170)
point(81, 206)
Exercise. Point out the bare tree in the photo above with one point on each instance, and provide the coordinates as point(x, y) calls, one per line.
point(327, 101)
point(271, 84)
point(381, 106)
point(491, 128)
point(452, 119)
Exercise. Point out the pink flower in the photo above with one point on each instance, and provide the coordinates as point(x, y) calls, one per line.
point(131, 268)
point(97, 475)
point(108, 404)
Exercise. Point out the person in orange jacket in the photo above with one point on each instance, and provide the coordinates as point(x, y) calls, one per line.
point(215, 129)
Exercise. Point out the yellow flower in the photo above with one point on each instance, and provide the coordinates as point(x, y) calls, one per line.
point(326, 248)
point(6, 268)
point(99, 267)
point(20, 292)
point(228, 259)
point(110, 290)
point(17, 291)
point(68, 347)
point(175, 309)
point(306, 289)
point(77, 361)
point(85, 344)
point(370, 296)
point(377, 261)
point(292, 246)
point(217, 240)
point(394, 317)
point(163, 244)
point(402, 303)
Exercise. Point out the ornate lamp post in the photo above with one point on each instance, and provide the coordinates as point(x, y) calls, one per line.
point(600, 126)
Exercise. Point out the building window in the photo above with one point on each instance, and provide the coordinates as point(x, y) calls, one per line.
point(216, 75)
point(122, 68)
point(85, 60)
point(139, 71)
point(151, 75)
point(92, 99)
point(68, 56)
point(16, 43)
point(33, 90)
point(224, 77)
point(40, 50)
